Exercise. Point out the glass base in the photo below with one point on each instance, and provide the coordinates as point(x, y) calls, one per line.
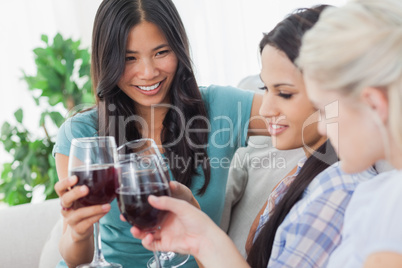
point(100, 265)
point(168, 260)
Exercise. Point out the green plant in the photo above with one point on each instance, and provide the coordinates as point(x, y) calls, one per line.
point(63, 76)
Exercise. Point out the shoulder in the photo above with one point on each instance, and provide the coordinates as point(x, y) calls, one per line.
point(216, 93)
point(387, 187)
point(334, 178)
point(385, 214)
point(83, 124)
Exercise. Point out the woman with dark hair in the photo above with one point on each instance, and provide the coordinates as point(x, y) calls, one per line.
point(301, 223)
point(146, 88)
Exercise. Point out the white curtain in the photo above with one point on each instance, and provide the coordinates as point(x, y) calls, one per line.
point(224, 37)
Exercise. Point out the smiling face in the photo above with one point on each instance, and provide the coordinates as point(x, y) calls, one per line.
point(351, 126)
point(150, 66)
point(286, 105)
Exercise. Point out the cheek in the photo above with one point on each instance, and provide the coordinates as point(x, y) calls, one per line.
point(169, 65)
point(125, 77)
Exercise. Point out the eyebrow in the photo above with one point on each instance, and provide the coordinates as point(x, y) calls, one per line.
point(283, 84)
point(155, 49)
point(279, 84)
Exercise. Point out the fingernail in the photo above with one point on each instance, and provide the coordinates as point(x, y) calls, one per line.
point(153, 198)
point(105, 207)
point(83, 189)
point(72, 179)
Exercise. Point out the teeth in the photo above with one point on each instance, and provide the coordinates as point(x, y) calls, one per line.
point(150, 88)
point(276, 126)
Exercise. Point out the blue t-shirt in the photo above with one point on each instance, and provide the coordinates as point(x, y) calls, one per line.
point(228, 114)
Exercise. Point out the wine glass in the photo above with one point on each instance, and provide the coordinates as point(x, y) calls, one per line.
point(93, 161)
point(145, 147)
point(139, 178)
point(141, 147)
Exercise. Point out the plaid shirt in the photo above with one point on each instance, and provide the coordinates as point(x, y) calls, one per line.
point(312, 229)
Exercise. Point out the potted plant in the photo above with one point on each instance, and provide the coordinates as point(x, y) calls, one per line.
point(63, 77)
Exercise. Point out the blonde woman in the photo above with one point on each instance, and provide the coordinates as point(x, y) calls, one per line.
point(356, 82)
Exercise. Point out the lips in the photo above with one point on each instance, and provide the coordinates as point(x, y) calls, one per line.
point(275, 129)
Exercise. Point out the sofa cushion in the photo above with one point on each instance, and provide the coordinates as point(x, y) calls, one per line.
point(24, 230)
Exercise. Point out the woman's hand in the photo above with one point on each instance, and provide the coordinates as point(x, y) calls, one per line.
point(183, 229)
point(80, 220)
point(188, 230)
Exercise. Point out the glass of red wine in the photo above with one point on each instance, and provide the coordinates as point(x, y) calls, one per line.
point(93, 160)
point(138, 179)
point(146, 147)
point(141, 147)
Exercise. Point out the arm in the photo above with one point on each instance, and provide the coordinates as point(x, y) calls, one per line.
point(76, 243)
point(316, 232)
point(188, 230)
point(258, 125)
point(384, 259)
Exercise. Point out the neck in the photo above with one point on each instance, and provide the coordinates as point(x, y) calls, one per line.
point(396, 157)
point(309, 149)
point(153, 119)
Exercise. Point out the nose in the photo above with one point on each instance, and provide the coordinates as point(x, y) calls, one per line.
point(147, 70)
point(268, 106)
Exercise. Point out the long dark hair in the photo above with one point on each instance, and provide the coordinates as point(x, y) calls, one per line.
point(113, 22)
point(286, 37)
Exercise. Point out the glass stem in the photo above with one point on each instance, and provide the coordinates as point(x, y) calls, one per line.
point(98, 256)
point(157, 260)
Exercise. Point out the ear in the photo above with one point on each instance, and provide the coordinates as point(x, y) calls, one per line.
point(377, 100)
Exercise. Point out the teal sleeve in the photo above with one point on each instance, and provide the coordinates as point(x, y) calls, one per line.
point(78, 126)
point(229, 113)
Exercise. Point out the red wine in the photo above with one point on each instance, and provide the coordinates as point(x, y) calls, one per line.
point(101, 181)
point(134, 206)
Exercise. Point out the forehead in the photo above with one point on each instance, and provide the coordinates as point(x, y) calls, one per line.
point(145, 34)
point(276, 67)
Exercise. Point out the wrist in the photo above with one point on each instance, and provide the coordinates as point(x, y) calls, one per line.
point(218, 250)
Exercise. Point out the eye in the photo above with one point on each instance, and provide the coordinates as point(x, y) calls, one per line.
point(163, 52)
point(285, 96)
point(130, 58)
point(263, 88)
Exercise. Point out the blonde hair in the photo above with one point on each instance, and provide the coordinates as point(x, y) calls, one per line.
point(356, 46)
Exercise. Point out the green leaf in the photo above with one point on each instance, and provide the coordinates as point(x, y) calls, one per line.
point(44, 38)
point(55, 99)
point(8, 145)
point(40, 84)
point(40, 52)
point(57, 118)
point(42, 119)
point(20, 153)
point(58, 41)
point(6, 129)
point(19, 114)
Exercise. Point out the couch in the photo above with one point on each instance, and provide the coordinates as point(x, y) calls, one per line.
point(25, 235)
